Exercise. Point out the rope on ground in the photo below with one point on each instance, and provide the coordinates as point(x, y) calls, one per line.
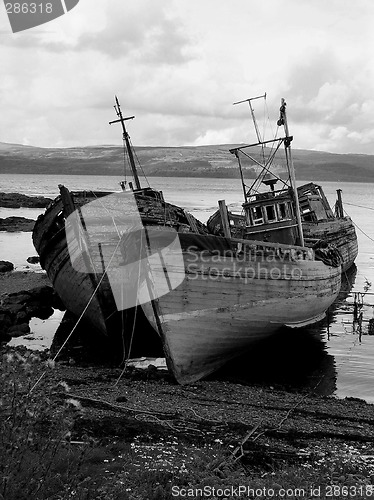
point(51, 362)
point(126, 359)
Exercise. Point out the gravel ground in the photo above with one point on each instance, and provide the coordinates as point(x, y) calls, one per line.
point(16, 281)
point(266, 424)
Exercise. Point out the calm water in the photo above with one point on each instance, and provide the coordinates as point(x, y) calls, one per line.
point(342, 362)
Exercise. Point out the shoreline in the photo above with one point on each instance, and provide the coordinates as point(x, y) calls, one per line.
point(190, 432)
point(139, 428)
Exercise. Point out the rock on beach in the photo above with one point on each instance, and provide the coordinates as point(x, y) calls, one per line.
point(6, 266)
point(18, 200)
point(35, 259)
point(14, 224)
point(21, 299)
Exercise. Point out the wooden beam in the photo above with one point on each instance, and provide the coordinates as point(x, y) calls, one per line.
point(224, 218)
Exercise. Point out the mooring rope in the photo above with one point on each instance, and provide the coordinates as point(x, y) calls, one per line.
point(139, 164)
point(358, 227)
point(125, 359)
point(360, 206)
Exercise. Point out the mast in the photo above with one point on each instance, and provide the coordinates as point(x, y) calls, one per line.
point(287, 146)
point(126, 139)
point(260, 142)
point(253, 113)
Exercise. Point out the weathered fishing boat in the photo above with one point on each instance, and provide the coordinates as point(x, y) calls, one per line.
point(237, 290)
point(234, 293)
point(84, 287)
point(319, 222)
point(272, 215)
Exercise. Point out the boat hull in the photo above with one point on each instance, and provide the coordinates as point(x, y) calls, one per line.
point(88, 293)
point(76, 290)
point(225, 305)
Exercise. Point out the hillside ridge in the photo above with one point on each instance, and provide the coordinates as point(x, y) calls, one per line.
point(179, 161)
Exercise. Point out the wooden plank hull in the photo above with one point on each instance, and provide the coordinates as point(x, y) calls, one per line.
point(339, 232)
point(76, 290)
point(223, 307)
point(89, 292)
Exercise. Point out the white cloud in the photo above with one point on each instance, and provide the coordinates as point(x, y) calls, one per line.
point(179, 66)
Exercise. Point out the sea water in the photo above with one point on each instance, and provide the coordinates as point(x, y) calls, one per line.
point(332, 357)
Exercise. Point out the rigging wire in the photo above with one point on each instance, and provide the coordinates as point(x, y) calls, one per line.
point(91, 298)
point(358, 227)
point(125, 359)
point(360, 206)
point(139, 164)
point(136, 309)
point(126, 159)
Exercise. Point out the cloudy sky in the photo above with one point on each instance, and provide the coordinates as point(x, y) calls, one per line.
point(178, 65)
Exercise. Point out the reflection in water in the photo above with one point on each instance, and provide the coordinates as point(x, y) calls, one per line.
point(291, 359)
point(351, 344)
point(42, 332)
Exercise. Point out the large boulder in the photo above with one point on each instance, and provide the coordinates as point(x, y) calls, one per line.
point(16, 310)
point(6, 266)
point(35, 259)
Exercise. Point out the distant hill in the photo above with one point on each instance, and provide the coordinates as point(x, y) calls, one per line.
point(200, 161)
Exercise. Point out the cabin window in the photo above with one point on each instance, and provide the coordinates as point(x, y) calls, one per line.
point(257, 216)
point(282, 211)
point(271, 215)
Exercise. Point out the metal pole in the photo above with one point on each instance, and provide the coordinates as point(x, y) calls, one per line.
point(291, 169)
point(126, 138)
point(241, 176)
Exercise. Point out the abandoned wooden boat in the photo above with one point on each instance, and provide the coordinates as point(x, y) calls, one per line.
point(88, 290)
point(237, 290)
point(234, 293)
point(271, 215)
point(84, 288)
